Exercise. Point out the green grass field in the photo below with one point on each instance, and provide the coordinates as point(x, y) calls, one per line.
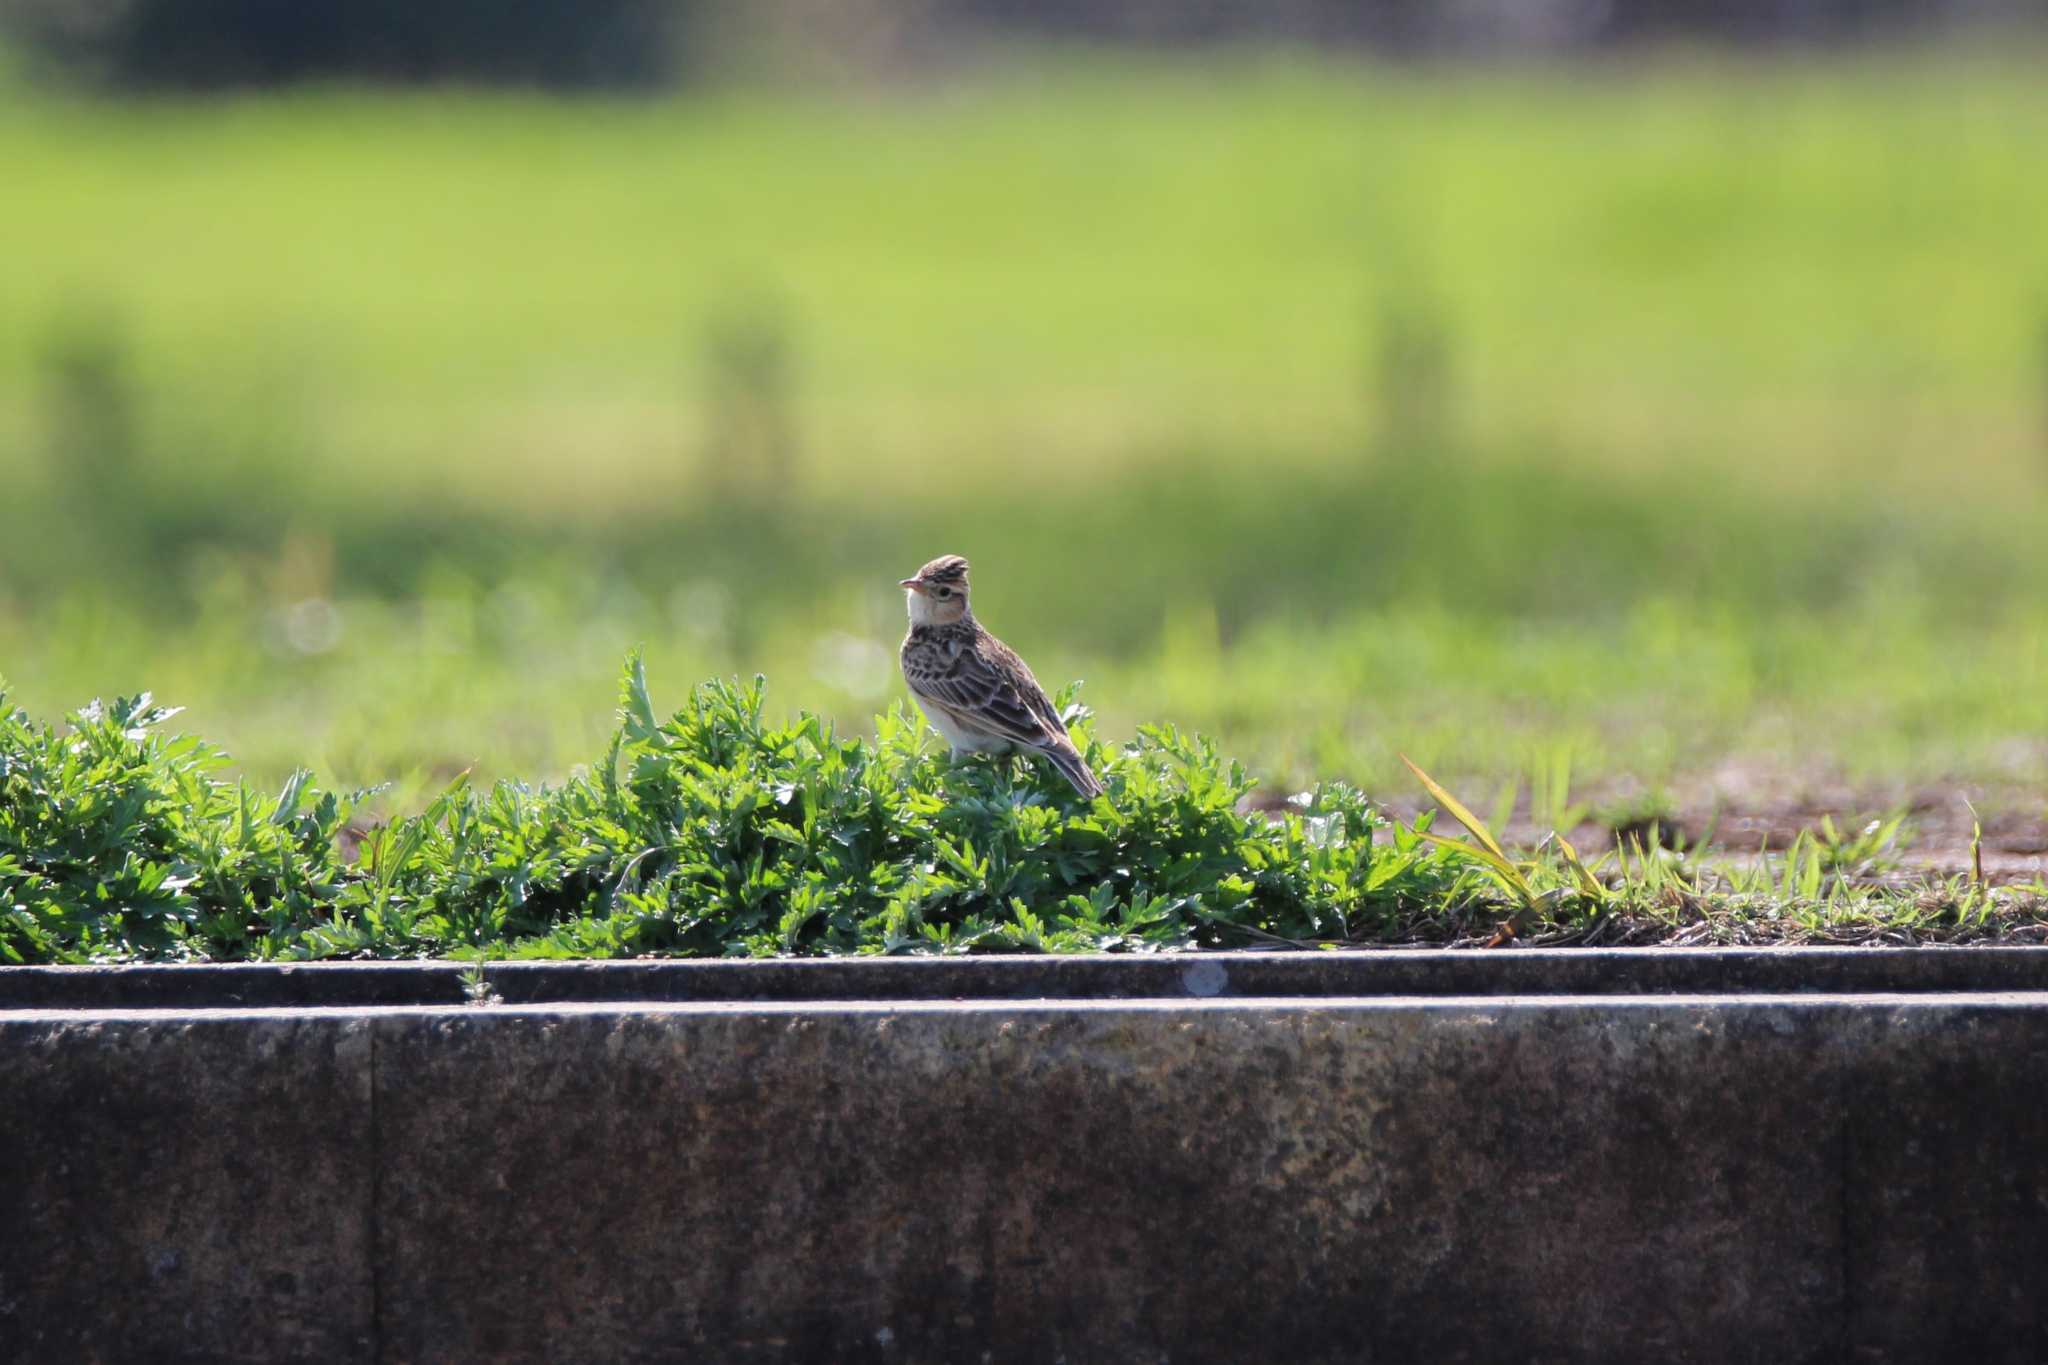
point(1620, 431)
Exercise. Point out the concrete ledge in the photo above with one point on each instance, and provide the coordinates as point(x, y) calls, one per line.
point(1827, 1176)
point(1430, 972)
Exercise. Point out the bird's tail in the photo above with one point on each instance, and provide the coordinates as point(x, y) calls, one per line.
point(1074, 768)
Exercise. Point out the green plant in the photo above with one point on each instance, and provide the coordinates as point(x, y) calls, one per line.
point(1539, 886)
point(119, 841)
point(718, 831)
point(1867, 850)
point(476, 987)
point(715, 831)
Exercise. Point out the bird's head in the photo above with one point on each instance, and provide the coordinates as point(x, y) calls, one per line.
point(937, 594)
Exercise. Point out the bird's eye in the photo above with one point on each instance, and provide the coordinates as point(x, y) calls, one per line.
point(942, 593)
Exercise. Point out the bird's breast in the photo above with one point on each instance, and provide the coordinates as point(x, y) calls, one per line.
point(963, 737)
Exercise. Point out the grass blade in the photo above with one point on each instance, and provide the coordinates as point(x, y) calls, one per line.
point(1587, 882)
point(1458, 811)
point(1505, 872)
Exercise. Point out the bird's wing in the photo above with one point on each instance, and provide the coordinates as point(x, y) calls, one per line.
point(1006, 661)
point(986, 685)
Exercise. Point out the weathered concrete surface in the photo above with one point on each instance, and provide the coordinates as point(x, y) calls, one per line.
point(1438, 972)
point(185, 1189)
point(1710, 1178)
point(1115, 1183)
point(1946, 1207)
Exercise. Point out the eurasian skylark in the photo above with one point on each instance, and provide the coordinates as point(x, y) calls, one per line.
point(971, 685)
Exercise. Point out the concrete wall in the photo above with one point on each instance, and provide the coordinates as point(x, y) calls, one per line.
point(1536, 1177)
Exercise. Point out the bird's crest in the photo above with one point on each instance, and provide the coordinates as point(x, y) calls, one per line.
point(946, 569)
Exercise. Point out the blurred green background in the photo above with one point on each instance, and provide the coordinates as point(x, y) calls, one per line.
point(1663, 413)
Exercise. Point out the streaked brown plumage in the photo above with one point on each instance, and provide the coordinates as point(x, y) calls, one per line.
point(973, 687)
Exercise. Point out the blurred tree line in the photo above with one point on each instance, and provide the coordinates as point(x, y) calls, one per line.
point(625, 44)
point(209, 44)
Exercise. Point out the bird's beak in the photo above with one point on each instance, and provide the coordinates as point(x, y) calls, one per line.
point(914, 584)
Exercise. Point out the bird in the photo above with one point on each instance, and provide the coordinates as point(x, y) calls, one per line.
point(973, 687)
